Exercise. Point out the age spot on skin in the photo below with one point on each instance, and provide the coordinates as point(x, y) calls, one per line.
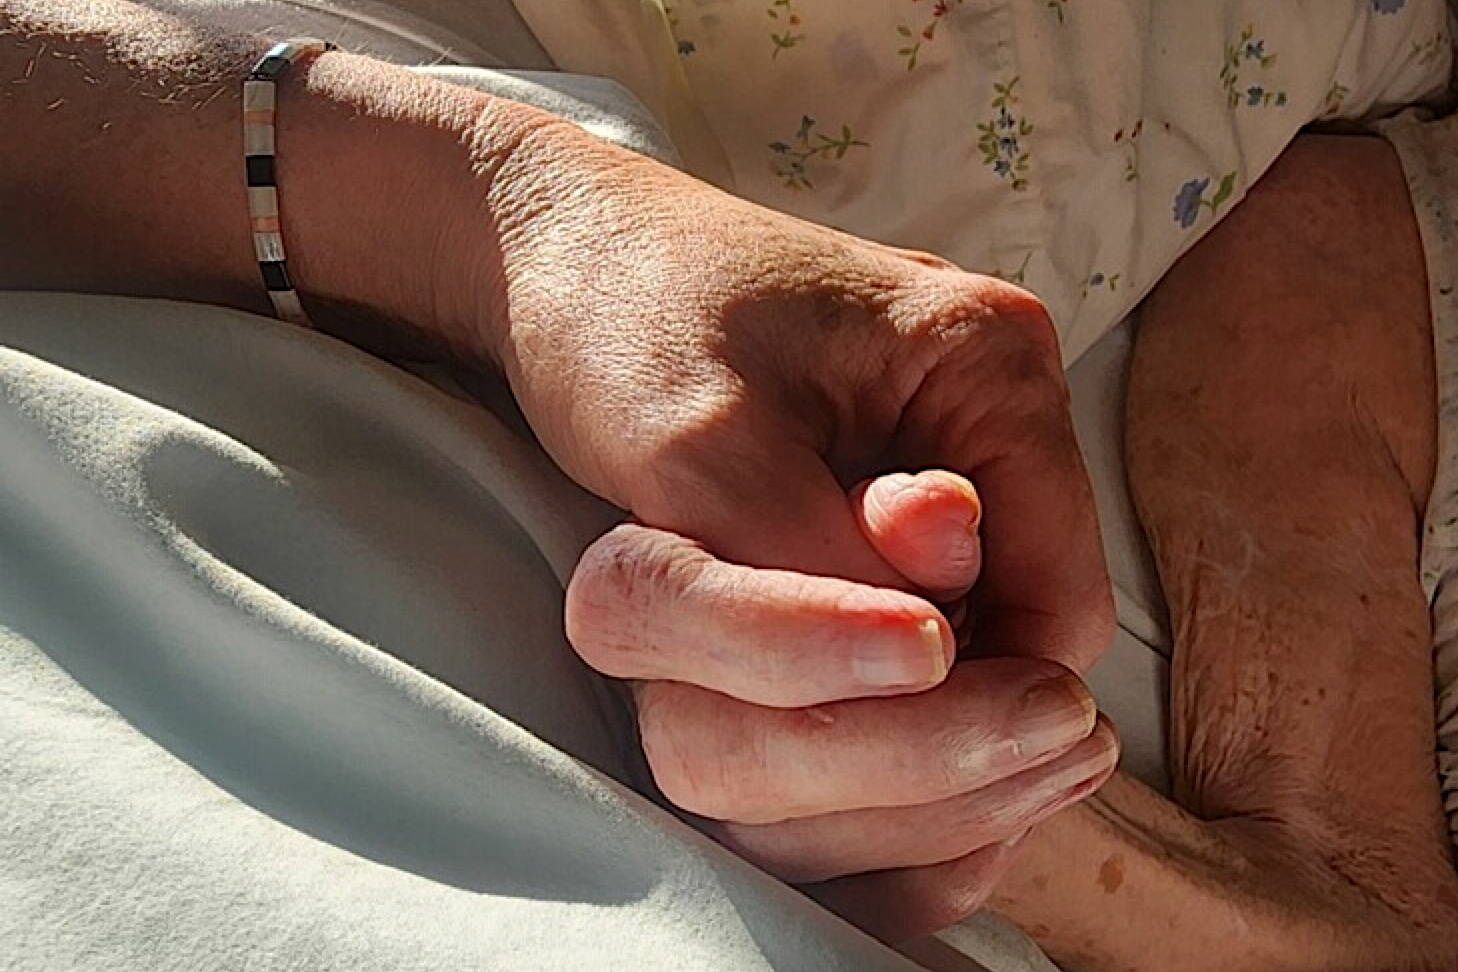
point(1111, 873)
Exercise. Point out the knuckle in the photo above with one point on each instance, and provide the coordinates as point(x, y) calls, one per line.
point(1029, 316)
point(588, 607)
point(967, 330)
point(981, 327)
point(928, 259)
point(992, 307)
point(617, 589)
point(639, 568)
point(1019, 331)
point(690, 740)
point(668, 735)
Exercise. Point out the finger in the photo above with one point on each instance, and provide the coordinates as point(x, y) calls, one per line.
point(995, 408)
point(724, 759)
point(897, 906)
point(648, 604)
point(814, 849)
point(753, 496)
point(926, 526)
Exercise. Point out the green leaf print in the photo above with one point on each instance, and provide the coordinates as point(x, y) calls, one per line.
point(1000, 139)
point(784, 12)
point(790, 161)
point(910, 51)
point(1223, 191)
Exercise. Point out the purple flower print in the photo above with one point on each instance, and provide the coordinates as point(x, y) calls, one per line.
point(1191, 198)
point(1388, 6)
point(1000, 138)
point(1245, 55)
point(1187, 201)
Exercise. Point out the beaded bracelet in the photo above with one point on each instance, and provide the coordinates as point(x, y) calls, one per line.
point(259, 97)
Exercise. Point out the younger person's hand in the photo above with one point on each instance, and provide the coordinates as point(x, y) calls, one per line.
point(721, 371)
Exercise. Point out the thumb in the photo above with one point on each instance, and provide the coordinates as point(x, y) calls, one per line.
point(760, 500)
point(757, 499)
point(926, 526)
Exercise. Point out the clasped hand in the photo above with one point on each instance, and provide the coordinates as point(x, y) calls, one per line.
point(723, 373)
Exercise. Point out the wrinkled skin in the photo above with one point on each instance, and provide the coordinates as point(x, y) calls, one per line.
point(718, 370)
point(1281, 444)
point(723, 373)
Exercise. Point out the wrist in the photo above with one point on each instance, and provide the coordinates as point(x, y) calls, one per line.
point(562, 204)
point(391, 200)
point(130, 178)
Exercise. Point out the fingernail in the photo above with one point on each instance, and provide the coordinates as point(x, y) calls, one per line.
point(886, 665)
point(961, 486)
point(1055, 712)
point(1089, 760)
point(944, 650)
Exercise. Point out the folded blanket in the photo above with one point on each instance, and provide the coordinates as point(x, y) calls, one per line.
point(283, 684)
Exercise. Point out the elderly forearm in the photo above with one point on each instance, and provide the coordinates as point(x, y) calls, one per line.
point(1130, 881)
point(127, 174)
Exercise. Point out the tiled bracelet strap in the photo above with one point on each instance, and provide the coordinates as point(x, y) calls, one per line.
point(259, 98)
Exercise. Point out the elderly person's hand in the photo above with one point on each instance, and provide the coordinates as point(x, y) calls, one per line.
point(928, 791)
